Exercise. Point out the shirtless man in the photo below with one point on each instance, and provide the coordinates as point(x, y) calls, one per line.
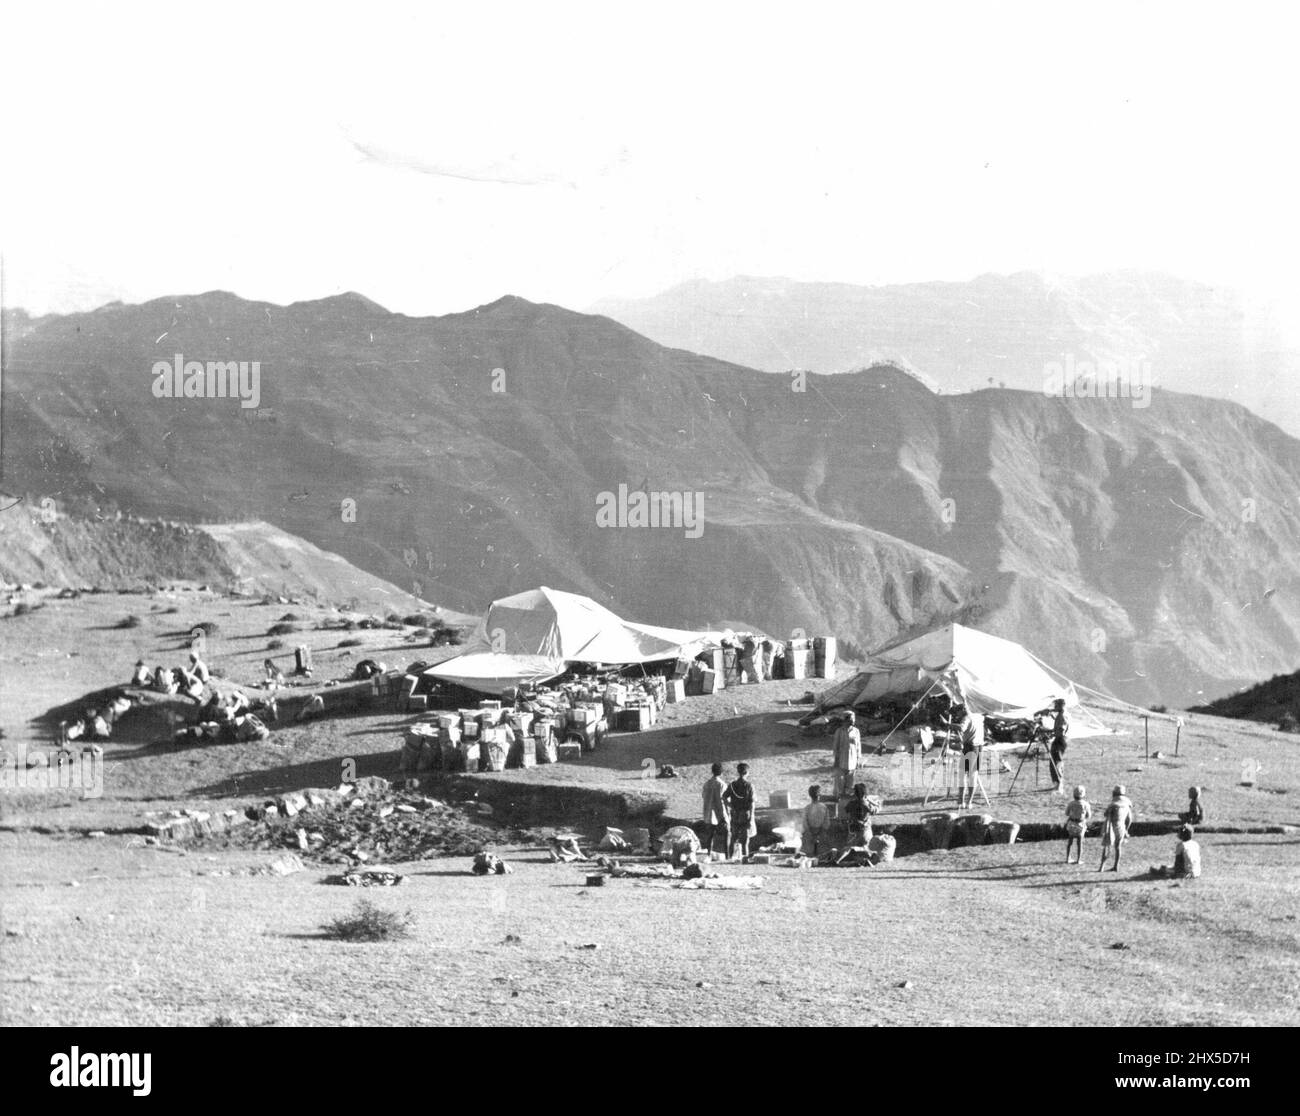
point(1119, 817)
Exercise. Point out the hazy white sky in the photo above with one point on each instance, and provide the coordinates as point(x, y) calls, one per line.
point(438, 156)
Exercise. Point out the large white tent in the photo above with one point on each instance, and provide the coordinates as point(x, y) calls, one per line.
point(534, 635)
point(989, 675)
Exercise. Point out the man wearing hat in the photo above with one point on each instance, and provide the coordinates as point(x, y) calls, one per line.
point(1060, 739)
point(141, 677)
point(1077, 815)
point(847, 752)
point(1119, 818)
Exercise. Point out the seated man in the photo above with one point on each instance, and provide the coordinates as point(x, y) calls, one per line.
point(1187, 855)
point(565, 850)
point(190, 683)
point(1187, 858)
point(274, 675)
point(858, 812)
point(140, 677)
point(199, 668)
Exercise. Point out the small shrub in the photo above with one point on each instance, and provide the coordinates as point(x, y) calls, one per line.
point(289, 618)
point(393, 620)
point(274, 644)
point(281, 629)
point(209, 628)
point(1160, 709)
point(169, 611)
point(129, 622)
point(22, 608)
point(349, 643)
point(369, 923)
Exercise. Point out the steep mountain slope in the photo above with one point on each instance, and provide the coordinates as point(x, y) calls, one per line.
point(1276, 701)
point(996, 329)
point(127, 553)
point(463, 458)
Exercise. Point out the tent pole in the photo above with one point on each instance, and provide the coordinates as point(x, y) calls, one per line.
point(918, 701)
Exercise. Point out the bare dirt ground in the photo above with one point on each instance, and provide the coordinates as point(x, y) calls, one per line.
point(985, 935)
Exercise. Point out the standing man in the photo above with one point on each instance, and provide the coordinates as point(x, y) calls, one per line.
point(847, 752)
point(1119, 818)
point(739, 797)
point(815, 820)
point(1060, 740)
point(715, 811)
point(972, 741)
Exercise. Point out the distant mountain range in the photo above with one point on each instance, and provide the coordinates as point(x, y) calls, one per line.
point(1153, 551)
point(996, 330)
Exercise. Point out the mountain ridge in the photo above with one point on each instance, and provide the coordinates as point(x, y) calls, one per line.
point(993, 329)
point(473, 446)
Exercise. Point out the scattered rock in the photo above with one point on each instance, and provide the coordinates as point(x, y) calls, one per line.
point(291, 804)
point(1119, 945)
point(704, 984)
point(589, 945)
point(904, 984)
point(368, 877)
point(938, 828)
point(285, 865)
point(96, 833)
point(372, 786)
point(512, 939)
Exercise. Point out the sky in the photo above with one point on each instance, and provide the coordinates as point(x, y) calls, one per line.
point(435, 157)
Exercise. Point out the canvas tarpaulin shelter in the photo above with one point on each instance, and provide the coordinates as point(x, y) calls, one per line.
point(542, 630)
point(491, 673)
point(990, 676)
